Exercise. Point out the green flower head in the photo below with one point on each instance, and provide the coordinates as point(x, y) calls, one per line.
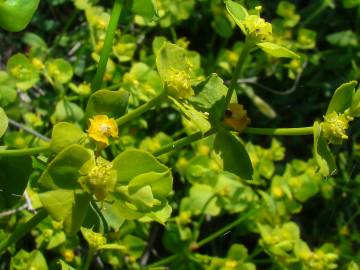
point(334, 127)
point(257, 28)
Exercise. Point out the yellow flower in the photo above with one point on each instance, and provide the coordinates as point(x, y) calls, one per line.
point(258, 28)
point(179, 84)
point(335, 126)
point(101, 128)
point(237, 117)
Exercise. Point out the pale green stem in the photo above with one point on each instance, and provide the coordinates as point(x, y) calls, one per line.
point(108, 43)
point(237, 72)
point(163, 262)
point(142, 109)
point(24, 152)
point(280, 131)
point(182, 142)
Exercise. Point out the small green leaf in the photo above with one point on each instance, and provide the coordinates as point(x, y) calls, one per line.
point(67, 206)
point(342, 98)
point(237, 12)
point(65, 266)
point(4, 122)
point(232, 151)
point(210, 97)
point(59, 70)
point(68, 111)
point(161, 183)
point(7, 95)
point(141, 162)
point(65, 134)
point(110, 103)
point(199, 119)
point(345, 38)
point(63, 170)
point(355, 106)
point(276, 50)
point(322, 153)
point(14, 176)
point(146, 9)
point(21, 69)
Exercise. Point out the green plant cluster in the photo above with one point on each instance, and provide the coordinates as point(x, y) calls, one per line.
point(155, 134)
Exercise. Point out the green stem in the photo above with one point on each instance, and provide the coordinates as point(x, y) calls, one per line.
point(23, 229)
point(89, 258)
point(182, 142)
point(237, 72)
point(197, 226)
point(108, 43)
point(280, 131)
point(226, 228)
point(141, 109)
point(23, 152)
point(164, 261)
point(103, 228)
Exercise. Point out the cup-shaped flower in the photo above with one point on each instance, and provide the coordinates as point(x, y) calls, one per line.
point(101, 128)
point(236, 117)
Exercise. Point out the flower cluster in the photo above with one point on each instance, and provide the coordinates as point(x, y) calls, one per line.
point(179, 84)
point(99, 180)
point(257, 28)
point(334, 127)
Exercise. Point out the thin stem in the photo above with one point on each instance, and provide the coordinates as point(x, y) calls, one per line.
point(182, 142)
point(280, 131)
point(237, 72)
point(164, 261)
point(104, 228)
point(108, 42)
point(89, 258)
point(141, 109)
point(197, 226)
point(29, 130)
point(23, 152)
point(23, 229)
point(225, 229)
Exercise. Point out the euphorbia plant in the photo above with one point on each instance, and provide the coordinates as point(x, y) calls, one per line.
point(84, 184)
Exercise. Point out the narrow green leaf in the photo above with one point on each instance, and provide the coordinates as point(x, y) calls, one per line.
point(276, 50)
point(237, 12)
point(342, 98)
point(232, 151)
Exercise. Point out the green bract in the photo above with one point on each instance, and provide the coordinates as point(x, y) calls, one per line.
point(257, 30)
point(15, 15)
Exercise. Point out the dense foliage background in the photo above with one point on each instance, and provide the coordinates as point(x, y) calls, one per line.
point(289, 216)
